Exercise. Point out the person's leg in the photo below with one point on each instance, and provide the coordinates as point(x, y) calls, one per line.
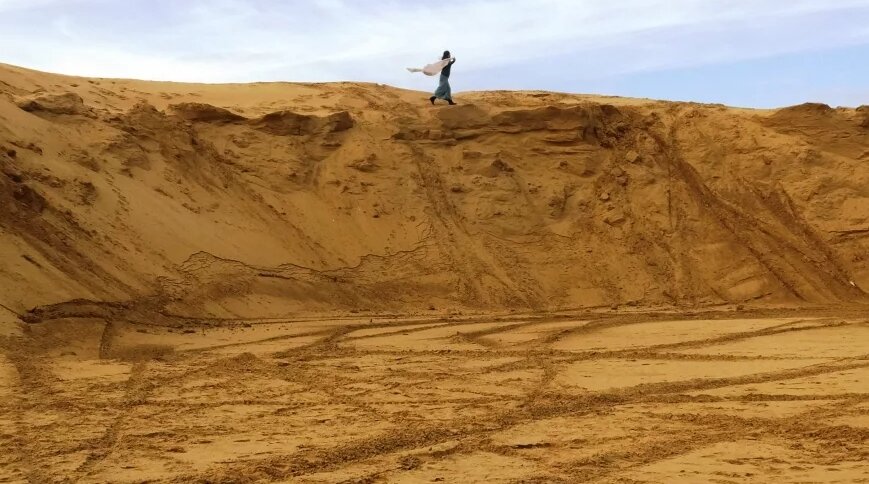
point(449, 94)
point(443, 90)
point(432, 99)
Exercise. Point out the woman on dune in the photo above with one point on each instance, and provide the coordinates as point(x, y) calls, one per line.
point(444, 91)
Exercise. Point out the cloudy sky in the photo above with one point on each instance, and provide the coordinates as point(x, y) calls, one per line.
point(741, 52)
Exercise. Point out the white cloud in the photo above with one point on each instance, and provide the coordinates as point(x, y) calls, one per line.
point(12, 5)
point(235, 40)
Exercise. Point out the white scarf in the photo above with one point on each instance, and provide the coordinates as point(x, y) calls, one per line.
point(432, 69)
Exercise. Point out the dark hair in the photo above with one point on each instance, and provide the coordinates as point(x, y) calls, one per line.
point(446, 55)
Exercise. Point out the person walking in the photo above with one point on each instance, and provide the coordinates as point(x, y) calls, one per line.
point(444, 91)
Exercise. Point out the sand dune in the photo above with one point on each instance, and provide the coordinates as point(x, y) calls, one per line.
point(329, 282)
point(271, 199)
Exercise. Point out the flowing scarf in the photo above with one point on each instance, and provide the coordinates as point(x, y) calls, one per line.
point(432, 69)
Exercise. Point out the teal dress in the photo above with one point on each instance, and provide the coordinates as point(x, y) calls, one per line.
point(444, 91)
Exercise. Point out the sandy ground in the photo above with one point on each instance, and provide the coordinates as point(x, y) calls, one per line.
point(595, 397)
point(340, 282)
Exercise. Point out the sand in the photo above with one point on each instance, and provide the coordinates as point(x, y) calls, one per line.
point(266, 200)
point(393, 401)
point(341, 283)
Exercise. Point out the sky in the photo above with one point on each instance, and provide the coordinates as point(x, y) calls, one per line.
point(752, 53)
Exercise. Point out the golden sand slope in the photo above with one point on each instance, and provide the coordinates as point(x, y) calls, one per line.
point(173, 244)
point(274, 199)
